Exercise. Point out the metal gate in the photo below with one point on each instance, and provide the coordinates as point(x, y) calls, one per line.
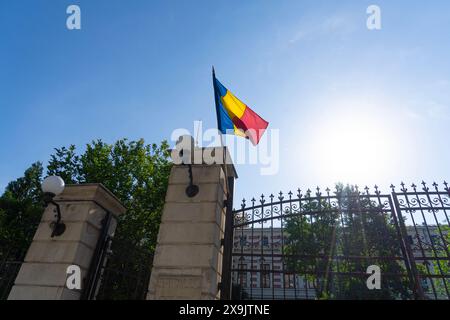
point(423, 215)
point(123, 273)
point(120, 269)
point(320, 245)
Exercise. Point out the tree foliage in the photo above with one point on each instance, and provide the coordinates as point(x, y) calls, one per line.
point(20, 211)
point(438, 265)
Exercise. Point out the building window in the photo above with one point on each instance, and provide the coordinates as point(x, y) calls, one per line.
point(289, 280)
point(265, 241)
point(265, 275)
point(242, 275)
point(242, 241)
point(311, 284)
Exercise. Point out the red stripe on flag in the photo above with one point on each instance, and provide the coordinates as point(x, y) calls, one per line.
point(252, 124)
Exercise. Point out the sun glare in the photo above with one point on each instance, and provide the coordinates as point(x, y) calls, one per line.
point(353, 148)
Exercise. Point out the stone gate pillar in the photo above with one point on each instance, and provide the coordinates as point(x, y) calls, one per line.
point(188, 257)
point(43, 273)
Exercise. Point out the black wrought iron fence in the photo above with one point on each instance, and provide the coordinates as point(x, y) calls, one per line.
point(423, 213)
point(13, 248)
point(319, 245)
point(127, 272)
point(123, 273)
point(120, 268)
point(10, 261)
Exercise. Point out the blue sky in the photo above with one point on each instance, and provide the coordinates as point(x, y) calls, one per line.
point(351, 105)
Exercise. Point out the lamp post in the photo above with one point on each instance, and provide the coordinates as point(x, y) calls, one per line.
point(53, 186)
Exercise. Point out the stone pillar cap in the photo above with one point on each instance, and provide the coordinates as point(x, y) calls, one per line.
point(95, 192)
point(226, 161)
point(186, 152)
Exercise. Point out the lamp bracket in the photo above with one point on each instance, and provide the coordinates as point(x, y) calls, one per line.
point(192, 189)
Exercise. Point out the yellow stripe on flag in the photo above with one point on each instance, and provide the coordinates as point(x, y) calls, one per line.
point(233, 106)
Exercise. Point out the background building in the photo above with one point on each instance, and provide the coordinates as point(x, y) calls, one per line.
point(260, 271)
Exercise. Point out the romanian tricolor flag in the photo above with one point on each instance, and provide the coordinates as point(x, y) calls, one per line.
point(235, 117)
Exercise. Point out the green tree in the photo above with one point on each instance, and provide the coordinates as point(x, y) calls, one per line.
point(333, 243)
point(136, 173)
point(438, 264)
point(20, 211)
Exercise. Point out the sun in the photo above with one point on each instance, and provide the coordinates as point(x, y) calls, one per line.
point(353, 147)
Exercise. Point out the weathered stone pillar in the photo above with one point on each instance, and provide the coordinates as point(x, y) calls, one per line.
point(188, 258)
point(43, 273)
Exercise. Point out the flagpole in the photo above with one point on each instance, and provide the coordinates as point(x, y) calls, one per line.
point(198, 130)
point(217, 107)
point(224, 154)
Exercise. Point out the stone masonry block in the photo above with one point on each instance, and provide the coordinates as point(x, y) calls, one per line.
point(189, 233)
point(75, 212)
point(43, 274)
point(60, 252)
point(208, 192)
point(187, 256)
point(75, 231)
point(192, 212)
